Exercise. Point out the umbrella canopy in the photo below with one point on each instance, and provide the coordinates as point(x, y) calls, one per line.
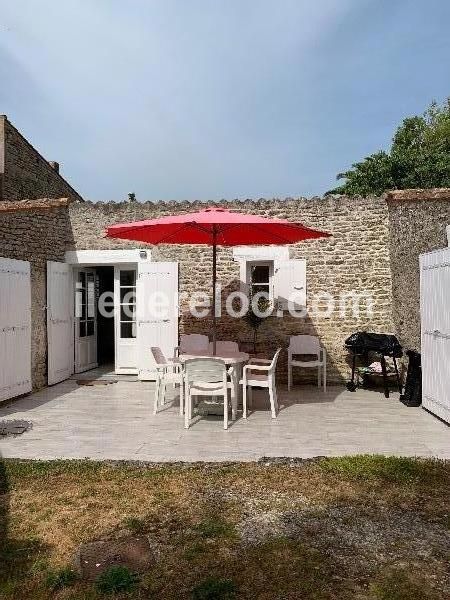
point(215, 227)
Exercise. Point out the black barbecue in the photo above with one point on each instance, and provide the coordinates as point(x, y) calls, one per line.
point(361, 343)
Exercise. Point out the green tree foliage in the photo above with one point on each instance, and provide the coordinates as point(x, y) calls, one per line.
point(419, 158)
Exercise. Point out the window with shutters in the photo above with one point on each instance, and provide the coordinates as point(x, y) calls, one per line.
point(269, 269)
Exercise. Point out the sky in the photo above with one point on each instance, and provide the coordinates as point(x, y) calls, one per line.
point(211, 99)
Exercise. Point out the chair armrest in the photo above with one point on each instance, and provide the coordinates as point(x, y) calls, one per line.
point(259, 360)
point(256, 368)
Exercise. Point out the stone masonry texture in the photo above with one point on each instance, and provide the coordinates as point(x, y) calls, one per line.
point(417, 224)
point(36, 235)
point(24, 173)
point(374, 248)
point(355, 258)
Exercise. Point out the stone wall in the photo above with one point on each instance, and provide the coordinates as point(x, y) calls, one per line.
point(36, 231)
point(24, 173)
point(417, 224)
point(355, 258)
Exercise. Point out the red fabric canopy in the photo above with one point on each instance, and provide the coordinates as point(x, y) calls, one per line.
point(215, 226)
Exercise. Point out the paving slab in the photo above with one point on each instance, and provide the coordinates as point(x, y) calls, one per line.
point(116, 422)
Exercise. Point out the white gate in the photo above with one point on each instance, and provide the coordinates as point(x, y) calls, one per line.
point(157, 312)
point(15, 328)
point(435, 323)
point(59, 322)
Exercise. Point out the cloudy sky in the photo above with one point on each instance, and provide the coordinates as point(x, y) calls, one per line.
point(209, 99)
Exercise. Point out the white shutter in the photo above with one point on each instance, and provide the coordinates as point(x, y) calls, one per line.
point(290, 283)
point(15, 328)
point(157, 325)
point(59, 322)
point(435, 324)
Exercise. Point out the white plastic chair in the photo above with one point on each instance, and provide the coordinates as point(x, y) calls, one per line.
point(224, 347)
point(166, 372)
point(206, 377)
point(192, 342)
point(307, 344)
point(264, 378)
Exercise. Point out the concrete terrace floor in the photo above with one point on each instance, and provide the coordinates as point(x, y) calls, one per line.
point(116, 422)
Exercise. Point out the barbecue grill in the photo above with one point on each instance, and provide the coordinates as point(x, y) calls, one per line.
point(362, 343)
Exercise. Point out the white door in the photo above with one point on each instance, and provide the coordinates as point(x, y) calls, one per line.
point(15, 328)
point(435, 324)
point(125, 319)
point(157, 306)
point(85, 320)
point(59, 321)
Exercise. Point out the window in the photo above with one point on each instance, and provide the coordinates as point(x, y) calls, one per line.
point(127, 305)
point(259, 278)
point(86, 303)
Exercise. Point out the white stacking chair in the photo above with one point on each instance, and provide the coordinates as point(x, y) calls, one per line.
point(192, 342)
point(307, 344)
point(265, 378)
point(206, 377)
point(224, 347)
point(166, 372)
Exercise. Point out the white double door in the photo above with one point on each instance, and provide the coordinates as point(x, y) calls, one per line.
point(144, 306)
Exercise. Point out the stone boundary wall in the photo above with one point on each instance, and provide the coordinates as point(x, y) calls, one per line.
point(24, 173)
point(417, 224)
point(36, 234)
point(356, 257)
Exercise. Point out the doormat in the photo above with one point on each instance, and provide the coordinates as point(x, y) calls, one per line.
point(15, 427)
point(96, 381)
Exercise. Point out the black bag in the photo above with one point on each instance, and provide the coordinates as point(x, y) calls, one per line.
point(413, 385)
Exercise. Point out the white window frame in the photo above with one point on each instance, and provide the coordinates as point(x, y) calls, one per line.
point(261, 263)
point(247, 256)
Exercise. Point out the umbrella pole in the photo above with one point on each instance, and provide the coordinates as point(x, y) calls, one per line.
point(214, 266)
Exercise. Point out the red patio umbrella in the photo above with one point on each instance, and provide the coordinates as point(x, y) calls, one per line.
point(215, 227)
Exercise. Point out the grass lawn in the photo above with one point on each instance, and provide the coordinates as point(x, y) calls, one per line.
point(346, 528)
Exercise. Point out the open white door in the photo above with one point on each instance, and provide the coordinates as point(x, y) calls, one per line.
point(59, 322)
point(157, 312)
point(125, 319)
point(15, 328)
point(435, 324)
point(85, 320)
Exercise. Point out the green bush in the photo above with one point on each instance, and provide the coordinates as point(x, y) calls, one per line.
point(214, 588)
point(116, 579)
point(61, 578)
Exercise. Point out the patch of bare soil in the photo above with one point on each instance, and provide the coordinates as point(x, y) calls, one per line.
point(132, 551)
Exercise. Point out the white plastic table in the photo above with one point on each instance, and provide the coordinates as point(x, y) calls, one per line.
point(234, 359)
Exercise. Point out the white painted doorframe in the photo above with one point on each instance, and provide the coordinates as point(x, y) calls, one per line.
point(124, 349)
